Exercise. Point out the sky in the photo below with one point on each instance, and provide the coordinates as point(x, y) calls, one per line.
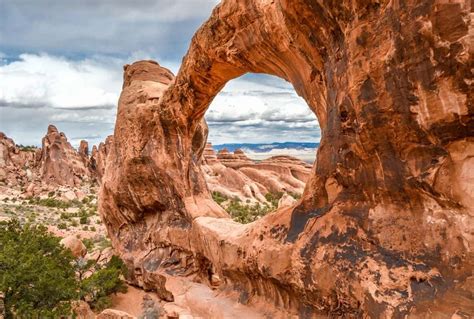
point(61, 63)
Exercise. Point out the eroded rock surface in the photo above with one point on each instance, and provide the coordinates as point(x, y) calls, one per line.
point(385, 224)
point(236, 176)
point(55, 166)
point(98, 158)
point(60, 163)
point(15, 165)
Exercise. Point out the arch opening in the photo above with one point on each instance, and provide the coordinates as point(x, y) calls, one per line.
point(261, 146)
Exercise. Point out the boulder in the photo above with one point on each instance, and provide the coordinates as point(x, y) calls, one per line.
point(286, 201)
point(75, 245)
point(82, 310)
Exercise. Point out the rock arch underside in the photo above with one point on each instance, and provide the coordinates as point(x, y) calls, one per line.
point(385, 227)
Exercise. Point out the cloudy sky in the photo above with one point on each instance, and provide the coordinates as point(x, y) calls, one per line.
point(61, 63)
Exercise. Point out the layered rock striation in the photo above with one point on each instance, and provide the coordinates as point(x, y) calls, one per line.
point(385, 226)
point(236, 176)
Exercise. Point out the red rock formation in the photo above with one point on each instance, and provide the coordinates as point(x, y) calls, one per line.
point(16, 166)
point(385, 225)
point(83, 149)
point(59, 162)
point(209, 155)
point(98, 158)
point(233, 160)
point(37, 171)
point(235, 175)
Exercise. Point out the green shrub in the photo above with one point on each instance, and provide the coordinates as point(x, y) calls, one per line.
point(40, 278)
point(36, 278)
point(89, 243)
point(103, 243)
point(27, 148)
point(273, 198)
point(101, 284)
point(219, 198)
point(62, 226)
point(76, 203)
point(49, 202)
point(84, 220)
point(246, 212)
point(294, 195)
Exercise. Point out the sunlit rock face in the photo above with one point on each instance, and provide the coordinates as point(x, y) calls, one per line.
point(234, 175)
point(385, 226)
point(37, 171)
point(59, 163)
point(15, 165)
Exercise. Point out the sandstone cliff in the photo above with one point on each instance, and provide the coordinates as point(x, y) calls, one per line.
point(385, 225)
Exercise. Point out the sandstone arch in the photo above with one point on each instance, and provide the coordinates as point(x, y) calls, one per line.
point(385, 225)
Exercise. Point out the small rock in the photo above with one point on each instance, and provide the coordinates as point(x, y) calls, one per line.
point(114, 314)
point(74, 244)
point(215, 280)
point(69, 195)
point(82, 310)
point(286, 201)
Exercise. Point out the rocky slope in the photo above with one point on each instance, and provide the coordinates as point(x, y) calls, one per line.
point(385, 225)
point(236, 176)
point(56, 166)
point(15, 165)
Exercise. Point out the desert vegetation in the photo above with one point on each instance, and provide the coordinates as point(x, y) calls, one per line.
point(41, 279)
point(62, 214)
point(247, 212)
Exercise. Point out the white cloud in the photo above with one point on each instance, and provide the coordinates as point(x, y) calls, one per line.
point(81, 97)
point(49, 81)
point(260, 108)
point(306, 154)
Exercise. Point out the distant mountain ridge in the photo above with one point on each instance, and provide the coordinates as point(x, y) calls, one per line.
point(266, 147)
